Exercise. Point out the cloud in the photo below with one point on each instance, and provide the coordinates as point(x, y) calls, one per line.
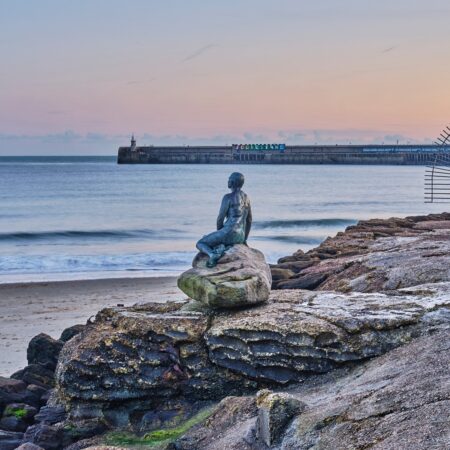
point(389, 49)
point(70, 142)
point(199, 52)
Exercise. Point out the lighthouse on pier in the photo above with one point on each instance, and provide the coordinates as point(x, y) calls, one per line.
point(133, 143)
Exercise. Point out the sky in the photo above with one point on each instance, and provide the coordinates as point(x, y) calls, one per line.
point(78, 77)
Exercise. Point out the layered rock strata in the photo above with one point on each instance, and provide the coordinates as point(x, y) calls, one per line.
point(372, 256)
point(167, 357)
point(400, 400)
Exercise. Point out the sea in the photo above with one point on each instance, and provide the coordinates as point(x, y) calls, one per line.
point(67, 218)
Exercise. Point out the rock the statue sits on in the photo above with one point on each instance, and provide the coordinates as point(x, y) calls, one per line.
point(241, 277)
point(227, 273)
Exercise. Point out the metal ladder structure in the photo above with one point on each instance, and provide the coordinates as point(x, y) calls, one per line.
point(437, 175)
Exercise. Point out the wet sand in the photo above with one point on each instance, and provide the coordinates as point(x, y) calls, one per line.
point(27, 309)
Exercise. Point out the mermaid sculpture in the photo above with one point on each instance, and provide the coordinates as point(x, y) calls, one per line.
point(233, 223)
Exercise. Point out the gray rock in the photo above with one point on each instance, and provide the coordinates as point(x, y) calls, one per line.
point(9, 440)
point(233, 429)
point(275, 411)
point(400, 400)
point(241, 278)
point(300, 333)
point(377, 255)
point(29, 446)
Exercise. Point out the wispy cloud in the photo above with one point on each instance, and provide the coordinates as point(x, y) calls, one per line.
point(389, 49)
point(132, 82)
point(199, 52)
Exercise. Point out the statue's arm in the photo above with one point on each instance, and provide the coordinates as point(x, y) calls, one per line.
point(223, 212)
point(248, 223)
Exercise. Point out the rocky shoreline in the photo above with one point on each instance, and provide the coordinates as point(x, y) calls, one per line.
point(351, 350)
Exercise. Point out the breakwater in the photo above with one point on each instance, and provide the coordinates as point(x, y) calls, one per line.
point(281, 154)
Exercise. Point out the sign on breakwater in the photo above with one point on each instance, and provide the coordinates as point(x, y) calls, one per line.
point(281, 154)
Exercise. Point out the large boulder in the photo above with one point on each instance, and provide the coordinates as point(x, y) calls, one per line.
point(241, 278)
point(142, 366)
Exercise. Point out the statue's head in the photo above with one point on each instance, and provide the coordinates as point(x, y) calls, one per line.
point(236, 180)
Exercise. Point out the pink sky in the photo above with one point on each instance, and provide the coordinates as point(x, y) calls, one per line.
point(184, 72)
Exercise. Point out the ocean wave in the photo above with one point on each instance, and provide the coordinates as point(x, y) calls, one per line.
point(301, 240)
point(292, 223)
point(84, 234)
point(59, 263)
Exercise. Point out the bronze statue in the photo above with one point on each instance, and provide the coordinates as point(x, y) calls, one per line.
point(233, 222)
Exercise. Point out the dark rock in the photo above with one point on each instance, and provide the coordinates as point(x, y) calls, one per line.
point(46, 397)
point(10, 440)
point(304, 282)
point(51, 414)
point(49, 437)
point(295, 266)
point(11, 423)
point(44, 350)
point(281, 274)
point(17, 417)
point(26, 412)
point(40, 393)
point(285, 259)
point(72, 331)
point(36, 374)
point(15, 391)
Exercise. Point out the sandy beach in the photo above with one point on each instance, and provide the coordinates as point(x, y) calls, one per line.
point(28, 309)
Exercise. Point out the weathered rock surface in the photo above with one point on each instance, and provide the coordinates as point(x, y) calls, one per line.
point(166, 357)
point(9, 440)
point(142, 366)
point(241, 278)
point(369, 339)
point(300, 333)
point(17, 417)
point(400, 400)
point(43, 349)
point(374, 255)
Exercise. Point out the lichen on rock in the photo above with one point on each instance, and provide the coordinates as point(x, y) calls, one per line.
point(240, 278)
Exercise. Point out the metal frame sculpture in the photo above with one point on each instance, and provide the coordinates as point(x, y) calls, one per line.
point(437, 175)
